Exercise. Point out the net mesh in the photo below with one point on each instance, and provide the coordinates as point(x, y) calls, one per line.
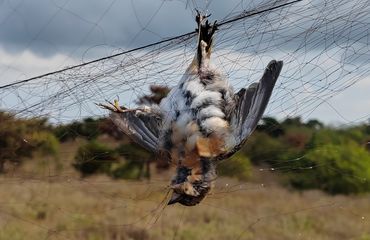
point(322, 43)
point(325, 48)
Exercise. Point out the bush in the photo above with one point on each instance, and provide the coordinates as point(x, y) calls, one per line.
point(134, 152)
point(238, 166)
point(45, 142)
point(94, 158)
point(127, 170)
point(341, 168)
point(88, 128)
point(328, 135)
point(297, 137)
point(262, 148)
point(136, 158)
point(66, 132)
point(20, 138)
point(271, 126)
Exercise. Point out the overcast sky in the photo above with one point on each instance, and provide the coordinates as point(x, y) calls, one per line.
point(45, 35)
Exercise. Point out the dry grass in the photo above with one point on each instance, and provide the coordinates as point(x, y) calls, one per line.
point(52, 202)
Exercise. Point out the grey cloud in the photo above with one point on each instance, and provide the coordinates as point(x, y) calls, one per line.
point(47, 27)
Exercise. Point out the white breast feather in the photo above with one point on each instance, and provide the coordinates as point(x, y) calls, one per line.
point(183, 120)
point(215, 124)
point(195, 87)
point(211, 111)
point(213, 97)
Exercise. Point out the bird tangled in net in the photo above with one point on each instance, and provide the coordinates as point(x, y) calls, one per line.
point(200, 122)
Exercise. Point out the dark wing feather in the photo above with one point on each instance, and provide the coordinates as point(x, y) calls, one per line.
point(250, 104)
point(141, 128)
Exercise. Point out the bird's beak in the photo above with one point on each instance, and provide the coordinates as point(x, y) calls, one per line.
point(174, 198)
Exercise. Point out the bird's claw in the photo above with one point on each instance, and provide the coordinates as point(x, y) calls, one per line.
point(114, 107)
point(200, 16)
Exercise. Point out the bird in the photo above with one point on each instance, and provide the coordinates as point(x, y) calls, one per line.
point(200, 122)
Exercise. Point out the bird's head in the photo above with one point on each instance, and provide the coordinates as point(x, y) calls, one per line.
point(189, 194)
point(191, 187)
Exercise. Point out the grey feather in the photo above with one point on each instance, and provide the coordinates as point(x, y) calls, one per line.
point(141, 128)
point(243, 102)
point(250, 105)
point(260, 98)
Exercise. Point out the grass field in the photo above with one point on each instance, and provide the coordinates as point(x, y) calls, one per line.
point(50, 201)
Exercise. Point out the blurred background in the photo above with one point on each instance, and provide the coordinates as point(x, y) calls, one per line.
point(66, 172)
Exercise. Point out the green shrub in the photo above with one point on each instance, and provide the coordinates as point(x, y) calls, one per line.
point(134, 152)
point(94, 157)
point(66, 132)
point(87, 128)
point(136, 158)
point(127, 170)
point(326, 136)
point(20, 138)
point(45, 142)
point(238, 166)
point(271, 126)
point(297, 137)
point(262, 148)
point(336, 168)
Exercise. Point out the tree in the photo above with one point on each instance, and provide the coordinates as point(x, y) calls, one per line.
point(261, 148)
point(335, 168)
point(88, 128)
point(93, 158)
point(271, 126)
point(20, 138)
point(137, 162)
point(238, 166)
point(157, 93)
point(296, 121)
point(315, 124)
point(297, 137)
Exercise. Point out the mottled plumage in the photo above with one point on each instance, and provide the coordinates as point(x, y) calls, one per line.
point(200, 122)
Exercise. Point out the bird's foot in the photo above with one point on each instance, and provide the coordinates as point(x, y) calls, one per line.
point(114, 107)
point(205, 37)
point(200, 17)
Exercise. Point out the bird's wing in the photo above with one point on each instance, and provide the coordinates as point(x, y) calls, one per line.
point(141, 128)
point(250, 104)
